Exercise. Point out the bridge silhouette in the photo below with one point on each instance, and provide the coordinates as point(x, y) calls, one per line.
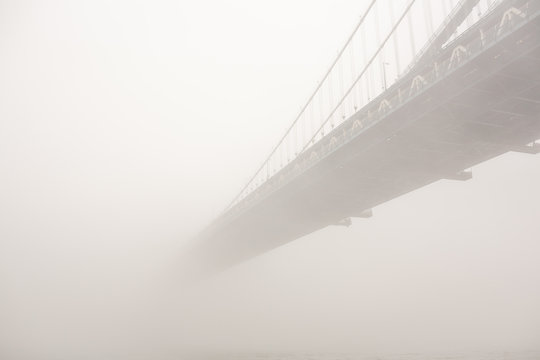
point(387, 119)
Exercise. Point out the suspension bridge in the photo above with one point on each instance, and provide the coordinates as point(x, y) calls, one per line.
point(421, 91)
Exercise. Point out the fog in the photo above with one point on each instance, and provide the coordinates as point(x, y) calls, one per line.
point(127, 126)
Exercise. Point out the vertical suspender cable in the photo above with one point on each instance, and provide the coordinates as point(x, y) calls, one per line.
point(428, 17)
point(321, 111)
point(395, 40)
point(381, 54)
point(364, 55)
point(411, 35)
point(296, 139)
point(287, 148)
point(341, 89)
point(353, 74)
point(445, 9)
point(330, 94)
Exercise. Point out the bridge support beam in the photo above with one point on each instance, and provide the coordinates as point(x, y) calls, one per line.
point(344, 222)
point(460, 176)
point(348, 222)
point(364, 214)
point(533, 148)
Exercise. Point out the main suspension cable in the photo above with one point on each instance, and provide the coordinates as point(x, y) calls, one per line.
point(306, 105)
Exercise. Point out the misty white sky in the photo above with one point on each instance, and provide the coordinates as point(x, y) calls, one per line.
point(126, 126)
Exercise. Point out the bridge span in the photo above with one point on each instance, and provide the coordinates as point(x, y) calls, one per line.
point(471, 99)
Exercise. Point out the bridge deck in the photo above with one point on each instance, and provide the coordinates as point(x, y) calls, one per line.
point(479, 99)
